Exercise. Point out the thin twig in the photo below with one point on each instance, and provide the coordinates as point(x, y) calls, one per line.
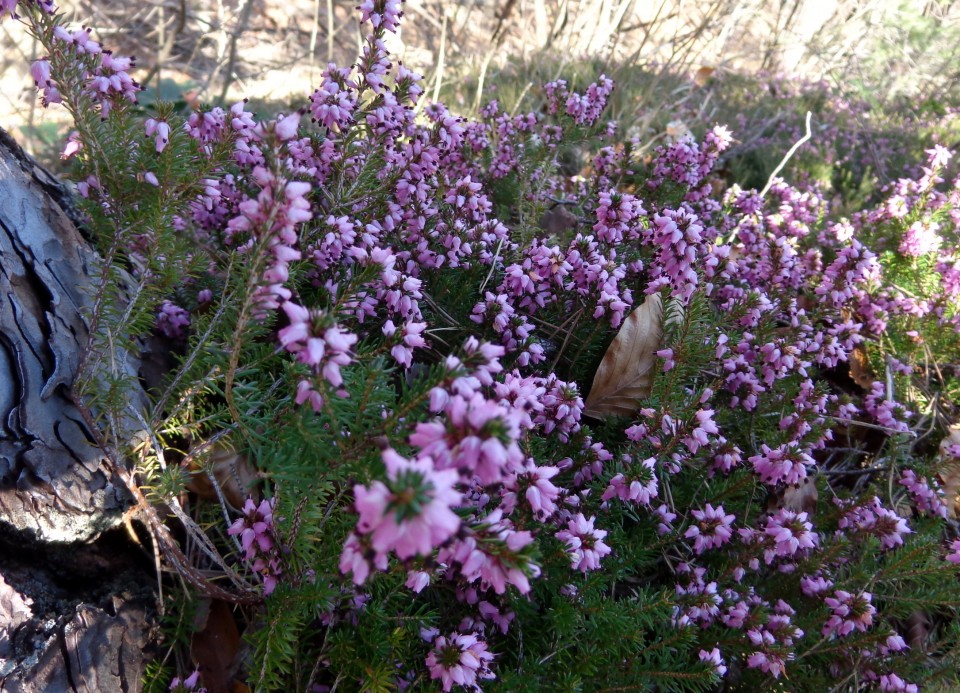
point(787, 157)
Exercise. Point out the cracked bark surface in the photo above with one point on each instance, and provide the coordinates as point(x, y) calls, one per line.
point(75, 593)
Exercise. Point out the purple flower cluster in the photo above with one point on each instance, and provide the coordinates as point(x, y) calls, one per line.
point(492, 475)
point(259, 542)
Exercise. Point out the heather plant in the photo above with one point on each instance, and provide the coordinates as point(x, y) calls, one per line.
point(687, 438)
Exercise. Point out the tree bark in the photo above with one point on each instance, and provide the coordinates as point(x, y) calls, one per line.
point(76, 594)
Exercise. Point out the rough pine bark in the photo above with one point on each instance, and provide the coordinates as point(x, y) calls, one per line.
point(76, 594)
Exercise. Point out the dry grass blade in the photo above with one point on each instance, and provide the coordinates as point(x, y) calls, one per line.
point(627, 370)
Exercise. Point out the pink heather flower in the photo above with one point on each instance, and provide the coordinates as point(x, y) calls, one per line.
point(533, 482)
point(705, 426)
point(354, 558)
point(850, 613)
point(317, 342)
point(286, 127)
point(768, 663)
point(562, 407)
point(478, 436)
point(172, 320)
point(815, 586)
point(667, 356)
point(618, 216)
point(267, 218)
point(638, 485)
point(712, 529)
point(257, 539)
point(491, 613)
point(333, 104)
point(417, 580)
point(160, 131)
point(677, 237)
point(714, 658)
point(40, 71)
point(885, 412)
point(410, 514)
point(459, 659)
point(728, 456)
point(786, 464)
point(954, 555)
point(492, 552)
point(584, 543)
point(920, 239)
point(892, 682)
point(927, 499)
point(72, 146)
point(409, 338)
point(8, 7)
point(873, 519)
point(698, 599)
point(665, 519)
point(788, 533)
point(187, 684)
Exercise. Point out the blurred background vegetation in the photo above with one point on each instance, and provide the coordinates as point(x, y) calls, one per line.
point(879, 76)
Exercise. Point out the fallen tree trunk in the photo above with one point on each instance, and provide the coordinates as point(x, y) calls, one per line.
point(76, 594)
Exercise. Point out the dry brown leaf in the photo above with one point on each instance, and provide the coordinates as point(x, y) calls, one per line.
point(860, 368)
point(626, 373)
point(949, 472)
point(702, 76)
point(233, 472)
point(215, 648)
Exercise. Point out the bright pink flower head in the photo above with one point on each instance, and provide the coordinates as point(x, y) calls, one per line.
point(584, 543)
point(787, 534)
point(459, 660)
point(410, 514)
point(713, 528)
point(850, 613)
point(478, 436)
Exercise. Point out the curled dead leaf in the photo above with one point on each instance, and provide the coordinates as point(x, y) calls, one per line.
point(860, 368)
point(232, 471)
point(215, 647)
point(627, 370)
point(702, 76)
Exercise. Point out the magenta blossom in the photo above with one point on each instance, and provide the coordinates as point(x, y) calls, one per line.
point(584, 543)
point(410, 514)
point(850, 613)
point(712, 529)
point(258, 540)
point(459, 659)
